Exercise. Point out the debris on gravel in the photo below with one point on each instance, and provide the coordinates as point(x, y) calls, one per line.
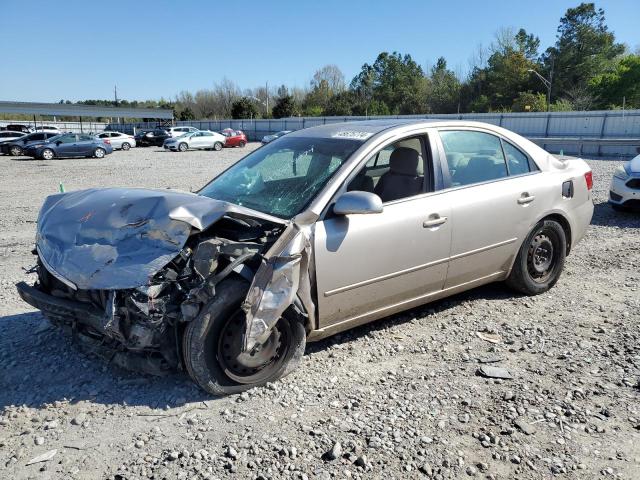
point(398, 398)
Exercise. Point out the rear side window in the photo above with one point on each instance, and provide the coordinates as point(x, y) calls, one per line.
point(517, 161)
point(39, 136)
point(473, 157)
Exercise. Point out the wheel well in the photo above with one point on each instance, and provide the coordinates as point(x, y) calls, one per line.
point(564, 223)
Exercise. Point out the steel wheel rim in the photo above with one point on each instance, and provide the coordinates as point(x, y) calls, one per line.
point(182, 147)
point(541, 257)
point(15, 151)
point(125, 146)
point(99, 153)
point(257, 366)
point(47, 154)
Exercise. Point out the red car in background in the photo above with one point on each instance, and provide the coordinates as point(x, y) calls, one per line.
point(235, 138)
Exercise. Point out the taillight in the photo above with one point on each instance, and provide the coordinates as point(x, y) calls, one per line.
point(107, 141)
point(588, 177)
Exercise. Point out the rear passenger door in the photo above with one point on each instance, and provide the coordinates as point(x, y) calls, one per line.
point(492, 190)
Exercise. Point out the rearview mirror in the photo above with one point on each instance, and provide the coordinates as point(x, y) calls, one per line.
point(357, 202)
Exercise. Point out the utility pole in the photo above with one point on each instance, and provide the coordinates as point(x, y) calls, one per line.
point(266, 91)
point(115, 96)
point(547, 83)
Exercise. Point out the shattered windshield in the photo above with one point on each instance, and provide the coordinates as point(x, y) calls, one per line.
point(282, 177)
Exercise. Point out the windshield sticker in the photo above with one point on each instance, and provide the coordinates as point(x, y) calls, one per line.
point(352, 134)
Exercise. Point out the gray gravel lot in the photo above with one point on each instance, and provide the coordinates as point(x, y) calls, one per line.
point(399, 398)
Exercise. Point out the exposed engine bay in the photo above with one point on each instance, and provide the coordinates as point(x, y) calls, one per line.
point(140, 327)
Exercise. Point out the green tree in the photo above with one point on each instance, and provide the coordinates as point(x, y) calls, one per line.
point(444, 89)
point(396, 80)
point(622, 82)
point(530, 102)
point(243, 108)
point(187, 114)
point(584, 49)
point(285, 107)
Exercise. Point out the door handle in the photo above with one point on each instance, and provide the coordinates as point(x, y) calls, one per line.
point(434, 221)
point(525, 198)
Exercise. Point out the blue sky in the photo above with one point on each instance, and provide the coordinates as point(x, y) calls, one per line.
point(151, 49)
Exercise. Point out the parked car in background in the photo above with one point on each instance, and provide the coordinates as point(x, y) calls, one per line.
point(234, 138)
point(19, 128)
point(16, 147)
point(321, 231)
point(69, 145)
point(47, 128)
point(177, 131)
point(200, 140)
point(272, 137)
point(154, 137)
point(8, 135)
point(624, 192)
point(119, 140)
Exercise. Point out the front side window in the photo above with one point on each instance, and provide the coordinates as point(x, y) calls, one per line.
point(66, 139)
point(394, 172)
point(282, 178)
point(473, 157)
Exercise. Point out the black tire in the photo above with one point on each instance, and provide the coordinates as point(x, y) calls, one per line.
point(242, 144)
point(183, 147)
point(618, 208)
point(210, 344)
point(99, 152)
point(47, 154)
point(125, 146)
point(15, 151)
point(540, 260)
point(217, 146)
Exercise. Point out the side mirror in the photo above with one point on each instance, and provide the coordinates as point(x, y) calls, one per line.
point(58, 143)
point(357, 202)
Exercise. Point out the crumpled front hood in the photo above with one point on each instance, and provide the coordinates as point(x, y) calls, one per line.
point(119, 238)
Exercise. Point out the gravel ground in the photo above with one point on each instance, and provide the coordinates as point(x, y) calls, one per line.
point(399, 398)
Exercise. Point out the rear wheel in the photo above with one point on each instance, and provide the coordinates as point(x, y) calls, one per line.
point(212, 345)
point(126, 146)
point(242, 144)
point(47, 154)
point(183, 147)
point(15, 151)
point(217, 146)
point(99, 152)
point(540, 260)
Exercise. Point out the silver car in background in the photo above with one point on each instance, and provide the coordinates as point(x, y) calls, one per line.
point(198, 140)
point(319, 231)
point(272, 137)
point(624, 192)
point(177, 131)
point(119, 140)
point(8, 135)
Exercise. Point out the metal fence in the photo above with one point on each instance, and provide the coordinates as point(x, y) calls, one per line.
point(608, 133)
point(75, 127)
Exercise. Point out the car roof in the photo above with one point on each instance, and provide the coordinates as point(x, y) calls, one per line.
point(368, 128)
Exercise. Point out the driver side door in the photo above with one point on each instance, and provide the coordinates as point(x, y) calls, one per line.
point(370, 266)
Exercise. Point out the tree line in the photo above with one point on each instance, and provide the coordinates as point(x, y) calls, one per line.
point(586, 69)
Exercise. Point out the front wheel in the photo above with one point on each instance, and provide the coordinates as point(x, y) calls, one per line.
point(540, 260)
point(183, 147)
point(99, 152)
point(126, 146)
point(242, 144)
point(217, 146)
point(15, 151)
point(47, 154)
point(212, 345)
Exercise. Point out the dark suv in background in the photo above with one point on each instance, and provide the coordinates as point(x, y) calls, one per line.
point(17, 147)
point(154, 137)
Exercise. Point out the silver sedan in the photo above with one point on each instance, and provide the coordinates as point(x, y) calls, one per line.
point(319, 231)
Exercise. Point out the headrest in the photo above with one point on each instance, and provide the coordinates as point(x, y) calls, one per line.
point(404, 161)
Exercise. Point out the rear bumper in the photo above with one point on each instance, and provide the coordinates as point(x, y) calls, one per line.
point(61, 310)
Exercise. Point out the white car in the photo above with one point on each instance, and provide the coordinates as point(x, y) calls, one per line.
point(8, 135)
point(270, 138)
point(119, 140)
point(47, 128)
point(177, 131)
point(624, 191)
point(195, 140)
